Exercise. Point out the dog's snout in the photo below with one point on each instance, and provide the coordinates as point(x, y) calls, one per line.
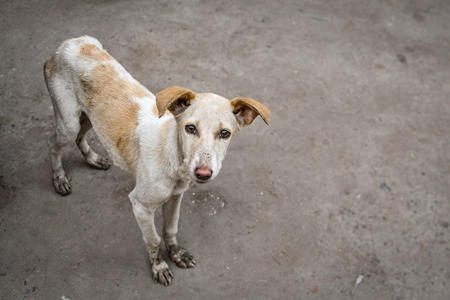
point(203, 173)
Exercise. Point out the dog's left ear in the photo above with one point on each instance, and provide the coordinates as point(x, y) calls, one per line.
point(246, 110)
point(176, 99)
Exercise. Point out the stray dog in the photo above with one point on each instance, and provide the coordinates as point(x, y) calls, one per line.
point(168, 142)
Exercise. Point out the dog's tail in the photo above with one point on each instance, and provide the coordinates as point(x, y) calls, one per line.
point(49, 69)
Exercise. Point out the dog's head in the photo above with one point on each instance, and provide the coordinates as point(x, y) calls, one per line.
point(206, 125)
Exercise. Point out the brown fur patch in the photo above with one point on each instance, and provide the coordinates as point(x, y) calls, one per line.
point(109, 99)
point(50, 67)
point(93, 52)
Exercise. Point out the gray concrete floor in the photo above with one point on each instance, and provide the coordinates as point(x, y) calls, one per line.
point(351, 178)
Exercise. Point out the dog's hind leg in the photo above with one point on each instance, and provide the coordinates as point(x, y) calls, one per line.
point(92, 158)
point(66, 124)
point(65, 132)
point(171, 214)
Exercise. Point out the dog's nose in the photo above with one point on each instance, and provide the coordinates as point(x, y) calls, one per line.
point(203, 173)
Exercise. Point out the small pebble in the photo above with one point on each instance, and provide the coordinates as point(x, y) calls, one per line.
point(385, 186)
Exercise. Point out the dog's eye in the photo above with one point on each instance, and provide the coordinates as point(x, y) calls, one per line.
point(224, 134)
point(191, 129)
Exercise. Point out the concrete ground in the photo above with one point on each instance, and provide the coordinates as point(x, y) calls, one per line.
point(351, 180)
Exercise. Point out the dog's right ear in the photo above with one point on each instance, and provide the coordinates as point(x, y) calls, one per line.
point(175, 99)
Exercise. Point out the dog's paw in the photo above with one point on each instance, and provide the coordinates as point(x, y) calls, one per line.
point(62, 185)
point(181, 257)
point(162, 273)
point(99, 162)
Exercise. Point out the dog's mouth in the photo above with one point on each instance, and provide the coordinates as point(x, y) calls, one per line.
point(201, 181)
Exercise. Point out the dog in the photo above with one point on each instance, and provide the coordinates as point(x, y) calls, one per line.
point(168, 142)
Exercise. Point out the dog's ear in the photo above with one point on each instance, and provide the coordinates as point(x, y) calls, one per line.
point(176, 99)
point(246, 110)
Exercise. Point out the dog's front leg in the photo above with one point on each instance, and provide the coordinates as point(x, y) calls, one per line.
point(145, 216)
point(171, 214)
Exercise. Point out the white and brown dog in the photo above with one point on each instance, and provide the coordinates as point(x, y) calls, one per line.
point(167, 142)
